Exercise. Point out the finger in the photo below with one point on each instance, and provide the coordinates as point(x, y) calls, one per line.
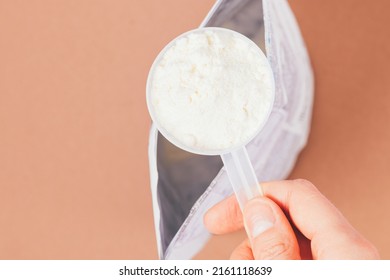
point(242, 251)
point(331, 235)
point(270, 233)
point(224, 217)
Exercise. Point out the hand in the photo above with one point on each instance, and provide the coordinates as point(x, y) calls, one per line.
point(292, 221)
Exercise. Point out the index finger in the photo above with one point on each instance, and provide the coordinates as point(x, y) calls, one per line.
point(299, 199)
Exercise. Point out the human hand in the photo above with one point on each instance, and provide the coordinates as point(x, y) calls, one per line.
point(292, 221)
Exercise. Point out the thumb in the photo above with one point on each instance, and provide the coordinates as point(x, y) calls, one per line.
point(269, 231)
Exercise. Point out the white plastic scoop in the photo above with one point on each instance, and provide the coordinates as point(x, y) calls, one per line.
point(234, 156)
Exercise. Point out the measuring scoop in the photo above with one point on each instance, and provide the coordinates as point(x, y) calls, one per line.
point(235, 158)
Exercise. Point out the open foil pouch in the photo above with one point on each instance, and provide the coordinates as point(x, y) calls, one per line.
point(184, 185)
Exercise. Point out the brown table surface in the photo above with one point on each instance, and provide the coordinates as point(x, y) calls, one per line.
point(74, 181)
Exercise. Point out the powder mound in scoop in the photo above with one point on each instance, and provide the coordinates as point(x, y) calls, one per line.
point(211, 90)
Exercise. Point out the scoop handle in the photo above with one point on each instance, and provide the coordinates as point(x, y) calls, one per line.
point(242, 176)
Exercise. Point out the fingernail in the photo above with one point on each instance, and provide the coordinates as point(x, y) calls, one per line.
point(258, 217)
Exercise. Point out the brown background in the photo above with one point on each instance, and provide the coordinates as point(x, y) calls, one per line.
point(74, 179)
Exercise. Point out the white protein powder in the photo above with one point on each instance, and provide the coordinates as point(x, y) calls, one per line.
point(211, 90)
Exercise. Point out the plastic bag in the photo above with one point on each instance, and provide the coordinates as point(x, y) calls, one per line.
point(184, 185)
